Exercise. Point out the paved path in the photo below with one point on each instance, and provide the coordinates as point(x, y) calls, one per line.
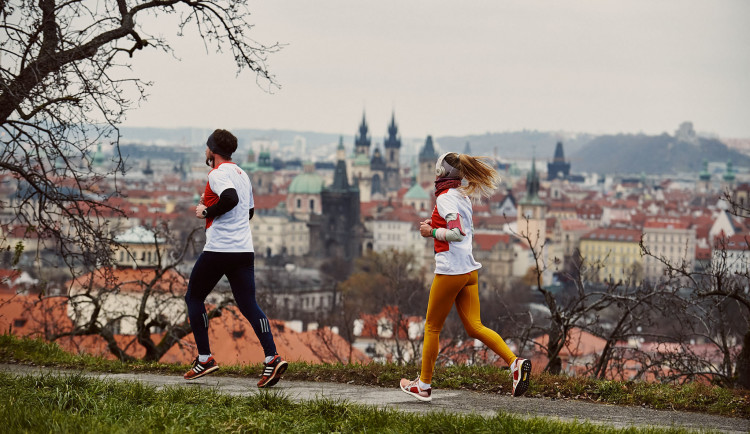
point(455, 401)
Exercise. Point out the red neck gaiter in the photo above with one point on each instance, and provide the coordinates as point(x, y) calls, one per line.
point(443, 184)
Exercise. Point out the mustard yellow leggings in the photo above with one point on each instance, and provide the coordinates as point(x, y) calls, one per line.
point(463, 289)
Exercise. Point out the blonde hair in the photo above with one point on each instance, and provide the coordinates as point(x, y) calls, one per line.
point(483, 179)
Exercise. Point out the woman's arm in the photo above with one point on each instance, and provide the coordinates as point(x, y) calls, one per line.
point(454, 232)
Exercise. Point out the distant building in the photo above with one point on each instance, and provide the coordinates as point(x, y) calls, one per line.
point(304, 194)
point(337, 232)
point(417, 198)
point(262, 174)
point(704, 179)
point(613, 255)
point(398, 230)
point(427, 159)
point(532, 211)
point(275, 232)
point(558, 168)
point(734, 253)
point(671, 240)
point(140, 248)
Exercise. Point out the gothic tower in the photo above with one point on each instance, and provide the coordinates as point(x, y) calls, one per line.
point(558, 168)
point(427, 159)
point(337, 232)
point(392, 155)
point(531, 211)
point(362, 141)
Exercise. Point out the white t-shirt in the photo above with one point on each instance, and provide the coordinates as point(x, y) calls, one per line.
point(229, 232)
point(458, 258)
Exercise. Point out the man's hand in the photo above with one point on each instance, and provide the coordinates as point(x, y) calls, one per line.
point(200, 202)
point(425, 228)
point(199, 210)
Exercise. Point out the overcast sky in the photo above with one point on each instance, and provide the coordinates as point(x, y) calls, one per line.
point(455, 68)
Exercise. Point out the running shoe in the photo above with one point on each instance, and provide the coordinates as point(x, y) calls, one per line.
point(200, 369)
point(520, 371)
point(272, 372)
point(412, 388)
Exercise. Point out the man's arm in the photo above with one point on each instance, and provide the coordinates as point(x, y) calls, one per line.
point(228, 199)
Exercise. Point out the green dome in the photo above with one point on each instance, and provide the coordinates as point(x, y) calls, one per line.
point(416, 192)
point(306, 183)
point(249, 167)
point(361, 160)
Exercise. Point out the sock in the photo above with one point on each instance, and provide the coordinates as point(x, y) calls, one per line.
point(424, 386)
point(268, 359)
point(203, 358)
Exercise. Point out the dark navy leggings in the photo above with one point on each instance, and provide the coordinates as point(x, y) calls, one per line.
point(240, 271)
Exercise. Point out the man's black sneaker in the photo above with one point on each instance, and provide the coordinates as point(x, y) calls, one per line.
point(272, 372)
point(200, 369)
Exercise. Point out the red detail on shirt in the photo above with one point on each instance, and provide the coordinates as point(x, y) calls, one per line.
point(209, 197)
point(439, 222)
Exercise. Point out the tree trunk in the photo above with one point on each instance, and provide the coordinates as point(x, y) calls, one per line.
point(743, 363)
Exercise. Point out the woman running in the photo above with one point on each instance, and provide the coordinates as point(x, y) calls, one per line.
point(456, 277)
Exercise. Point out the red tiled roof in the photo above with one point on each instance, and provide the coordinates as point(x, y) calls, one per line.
point(370, 326)
point(579, 343)
point(738, 242)
point(130, 280)
point(666, 223)
point(268, 201)
point(574, 225)
point(488, 241)
point(401, 214)
point(232, 338)
point(703, 253)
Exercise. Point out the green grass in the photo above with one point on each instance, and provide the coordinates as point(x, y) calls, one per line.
point(75, 403)
point(689, 397)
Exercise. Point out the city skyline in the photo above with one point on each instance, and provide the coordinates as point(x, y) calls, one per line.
point(450, 69)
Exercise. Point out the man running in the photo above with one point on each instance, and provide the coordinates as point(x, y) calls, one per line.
point(227, 205)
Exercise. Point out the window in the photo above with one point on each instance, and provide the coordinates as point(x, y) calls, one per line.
point(312, 204)
point(299, 203)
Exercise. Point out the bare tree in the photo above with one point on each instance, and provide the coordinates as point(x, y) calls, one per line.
point(142, 310)
point(64, 88)
point(713, 307)
point(389, 282)
point(611, 310)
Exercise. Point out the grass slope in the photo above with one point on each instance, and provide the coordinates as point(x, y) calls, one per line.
point(76, 403)
point(689, 397)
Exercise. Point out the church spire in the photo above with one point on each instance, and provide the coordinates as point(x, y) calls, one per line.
point(532, 181)
point(362, 141)
point(393, 141)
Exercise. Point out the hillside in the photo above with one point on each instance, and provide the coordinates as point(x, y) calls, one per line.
point(516, 145)
point(629, 154)
point(615, 154)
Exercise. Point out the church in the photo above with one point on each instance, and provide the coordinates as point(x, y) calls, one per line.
point(377, 173)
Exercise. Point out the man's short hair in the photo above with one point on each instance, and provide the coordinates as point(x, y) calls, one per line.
point(222, 142)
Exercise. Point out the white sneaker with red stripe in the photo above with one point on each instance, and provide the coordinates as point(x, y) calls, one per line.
point(520, 371)
point(412, 388)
